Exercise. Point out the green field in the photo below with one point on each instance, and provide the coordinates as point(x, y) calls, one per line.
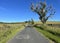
point(7, 31)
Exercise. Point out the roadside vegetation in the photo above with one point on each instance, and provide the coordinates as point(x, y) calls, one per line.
point(50, 32)
point(7, 31)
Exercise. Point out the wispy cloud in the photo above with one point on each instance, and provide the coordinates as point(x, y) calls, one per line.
point(2, 8)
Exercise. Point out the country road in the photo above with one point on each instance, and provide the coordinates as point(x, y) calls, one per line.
point(28, 35)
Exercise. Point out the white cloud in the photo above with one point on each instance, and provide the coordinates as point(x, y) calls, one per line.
point(2, 8)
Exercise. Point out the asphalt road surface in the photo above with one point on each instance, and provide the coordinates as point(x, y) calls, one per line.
point(28, 35)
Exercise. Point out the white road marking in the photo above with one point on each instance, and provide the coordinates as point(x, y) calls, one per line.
point(23, 37)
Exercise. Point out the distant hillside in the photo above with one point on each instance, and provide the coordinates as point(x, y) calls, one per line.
point(12, 23)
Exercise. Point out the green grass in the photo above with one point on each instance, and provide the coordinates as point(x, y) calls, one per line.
point(49, 35)
point(53, 30)
point(8, 31)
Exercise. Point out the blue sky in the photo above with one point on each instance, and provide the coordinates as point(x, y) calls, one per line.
point(19, 10)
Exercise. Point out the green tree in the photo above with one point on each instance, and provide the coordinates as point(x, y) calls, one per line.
point(42, 10)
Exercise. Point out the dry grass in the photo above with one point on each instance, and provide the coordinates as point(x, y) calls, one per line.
point(48, 22)
point(52, 31)
point(8, 30)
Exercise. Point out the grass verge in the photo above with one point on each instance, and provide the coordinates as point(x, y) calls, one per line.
point(54, 38)
point(10, 33)
point(53, 30)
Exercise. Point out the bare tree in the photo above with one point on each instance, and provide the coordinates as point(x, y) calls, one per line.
point(32, 21)
point(42, 10)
